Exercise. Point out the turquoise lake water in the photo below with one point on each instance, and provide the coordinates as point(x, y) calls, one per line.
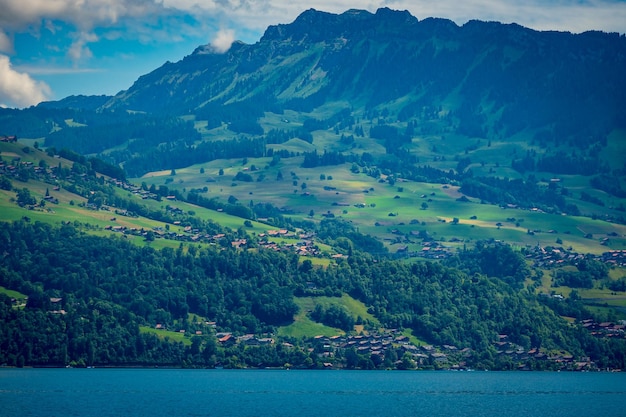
point(172, 392)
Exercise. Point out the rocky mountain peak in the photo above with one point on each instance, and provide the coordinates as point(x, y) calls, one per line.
point(315, 26)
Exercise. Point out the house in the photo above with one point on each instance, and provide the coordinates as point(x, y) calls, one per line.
point(439, 357)
point(226, 339)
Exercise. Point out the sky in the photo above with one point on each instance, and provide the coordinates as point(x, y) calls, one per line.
point(51, 49)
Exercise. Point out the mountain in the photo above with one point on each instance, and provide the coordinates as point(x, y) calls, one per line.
point(496, 79)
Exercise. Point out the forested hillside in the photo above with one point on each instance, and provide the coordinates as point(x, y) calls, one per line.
point(88, 297)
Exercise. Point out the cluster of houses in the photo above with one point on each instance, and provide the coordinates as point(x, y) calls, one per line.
point(12, 168)
point(524, 359)
point(552, 257)
point(614, 257)
point(451, 357)
point(430, 250)
point(606, 329)
point(303, 245)
point(379, 344)
point(434, 250)
point(136, 190)
point(228, 339)
point(190, 235)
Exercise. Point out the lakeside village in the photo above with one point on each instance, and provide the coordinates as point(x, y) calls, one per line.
point(392, 349)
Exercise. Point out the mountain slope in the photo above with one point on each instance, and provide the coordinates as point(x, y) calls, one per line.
point(498, 79)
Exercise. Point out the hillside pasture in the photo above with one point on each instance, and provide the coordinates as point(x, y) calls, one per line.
point(167, 335)
point(303, 326)
point(365, 202)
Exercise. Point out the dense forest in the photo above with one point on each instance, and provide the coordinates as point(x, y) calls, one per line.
point(88, 297)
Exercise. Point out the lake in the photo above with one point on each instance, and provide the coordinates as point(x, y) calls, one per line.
point(175, 392)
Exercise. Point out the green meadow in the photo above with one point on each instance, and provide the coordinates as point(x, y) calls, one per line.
point(386, 211)
point(396, 213)
point(177, 337)
point(18, 296)
point(303, 326)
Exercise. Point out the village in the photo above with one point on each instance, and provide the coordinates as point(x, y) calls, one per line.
point(332, 351)
point(553, 257)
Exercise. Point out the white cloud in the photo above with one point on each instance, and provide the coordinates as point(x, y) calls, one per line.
point(79, 50)
point(19, 89)
point(84, 14)
point(223, 40)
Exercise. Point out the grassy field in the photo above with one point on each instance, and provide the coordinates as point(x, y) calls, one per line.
point(71, 207)
point(303, 326)
point(392, 213)
point(167, 334)
point(21, 298)
point(406, 207)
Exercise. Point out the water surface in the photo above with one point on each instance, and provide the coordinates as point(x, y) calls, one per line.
point(173, 392)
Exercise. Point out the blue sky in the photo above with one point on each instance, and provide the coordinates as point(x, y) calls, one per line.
point(50, 49)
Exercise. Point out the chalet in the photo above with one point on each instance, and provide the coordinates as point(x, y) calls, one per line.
point(239, 243)
point(227, 339)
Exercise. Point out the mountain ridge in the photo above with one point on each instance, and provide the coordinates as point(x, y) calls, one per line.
point(391, 56)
